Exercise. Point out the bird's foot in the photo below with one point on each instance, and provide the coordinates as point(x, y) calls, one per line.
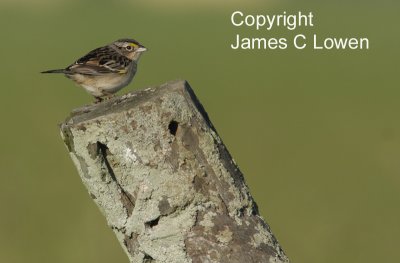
point(98, 100)
point(109, 96)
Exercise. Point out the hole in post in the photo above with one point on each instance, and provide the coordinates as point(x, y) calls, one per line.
point(147, 258)
point(152, 223)
point(173, 127)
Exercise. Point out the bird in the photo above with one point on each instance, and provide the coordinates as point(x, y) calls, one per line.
point(105, 70)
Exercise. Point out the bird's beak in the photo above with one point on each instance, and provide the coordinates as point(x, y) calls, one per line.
point(141, 49)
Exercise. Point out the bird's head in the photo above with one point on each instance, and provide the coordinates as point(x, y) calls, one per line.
point(130, 48)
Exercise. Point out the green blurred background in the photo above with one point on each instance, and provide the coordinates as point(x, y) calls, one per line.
point(317, 134)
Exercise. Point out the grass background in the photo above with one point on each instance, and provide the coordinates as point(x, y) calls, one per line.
point(316, 133)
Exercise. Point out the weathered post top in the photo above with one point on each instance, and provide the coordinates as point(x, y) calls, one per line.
point(160, 174)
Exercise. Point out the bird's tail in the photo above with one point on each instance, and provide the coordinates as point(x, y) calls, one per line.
point(54, 71)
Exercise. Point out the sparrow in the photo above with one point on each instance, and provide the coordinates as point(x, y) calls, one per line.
point(105, 70)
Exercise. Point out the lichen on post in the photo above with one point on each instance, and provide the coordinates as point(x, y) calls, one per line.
point(157, 169)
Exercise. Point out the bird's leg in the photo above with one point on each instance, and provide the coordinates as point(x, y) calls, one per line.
point(97, 100)
point(108, 96)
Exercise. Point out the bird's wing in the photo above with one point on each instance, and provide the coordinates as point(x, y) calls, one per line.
point(100, 61)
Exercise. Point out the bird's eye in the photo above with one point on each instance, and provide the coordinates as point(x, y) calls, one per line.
point(129, 48)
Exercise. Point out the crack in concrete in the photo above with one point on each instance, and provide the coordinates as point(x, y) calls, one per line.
point(126, 198)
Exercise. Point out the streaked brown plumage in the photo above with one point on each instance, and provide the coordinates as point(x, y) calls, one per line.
point(105, 70)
